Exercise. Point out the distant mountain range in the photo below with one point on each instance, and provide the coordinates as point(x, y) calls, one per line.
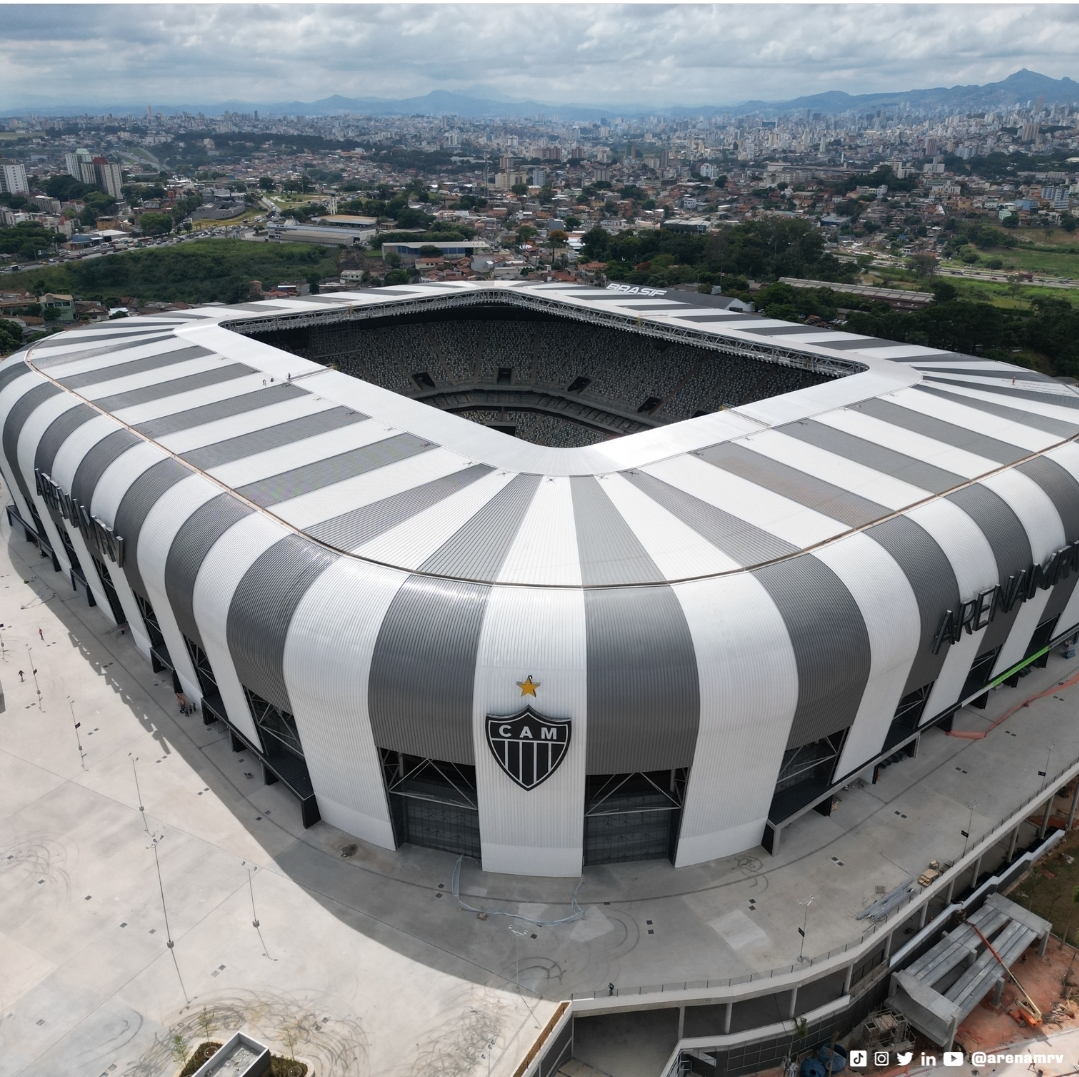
point(1016, 89)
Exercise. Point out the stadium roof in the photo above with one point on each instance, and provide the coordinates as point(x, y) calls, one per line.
point(378, 476)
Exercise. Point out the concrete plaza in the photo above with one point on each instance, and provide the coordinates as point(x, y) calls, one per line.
point(361, 962)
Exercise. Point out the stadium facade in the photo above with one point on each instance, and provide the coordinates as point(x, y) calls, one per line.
point(770, 556)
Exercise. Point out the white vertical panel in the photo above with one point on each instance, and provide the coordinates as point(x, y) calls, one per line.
point(222, 569)
point(847, 474)
point(169, 513)
point(764, 509)
point(538, 632)
point(900, 439)
point(25, 451)
point(970, 418)
point(29, 439)
point(75, 447)
point(678, 551)
point(975, 567)
point(749, 690)
point(1044, 529)
point(11, 394)
point(1067, 456)
point(411, 542)
point(545, 549)
point(1035, 510)
point(1026, 621)
point(890, 611)
point(327, 666)
point(115, 481)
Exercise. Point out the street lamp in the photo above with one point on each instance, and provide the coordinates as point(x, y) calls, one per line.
point(805, 924)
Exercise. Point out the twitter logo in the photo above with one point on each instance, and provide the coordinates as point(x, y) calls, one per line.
point(904, 1057)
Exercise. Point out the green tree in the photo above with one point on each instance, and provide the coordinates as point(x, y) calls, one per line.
point(155, 224)
point(10, 336)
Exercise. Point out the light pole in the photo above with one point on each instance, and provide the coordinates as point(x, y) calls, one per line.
point(168, 931)
point(489, 1049)
point(970, 826)
point(37, 687)
point(805, 924)
point(138, 791)
point(518, 933)
point(78, 741)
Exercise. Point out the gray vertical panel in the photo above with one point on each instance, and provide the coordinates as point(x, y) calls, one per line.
point(92, 466)
point(162, 389)
point(1016, 415)
point(477, 549)
point(423, 669)
point(189, 549)
point(643, 687)
point(261, 611)
point(334, 469)
point(7, 376)
point(830, 642)
point(999, 524)
point(135, 506)
point(352, 529)
point(220, 409)
point(806, 489)
point(610, 552)
point(20, 411)
point(1062, 489)
point(882, 459)
point(947, 433)
point(933, 581)
point(134, 366)
point(271, 437)
point(58, 431)
point(741, 541)
point(1011, 547)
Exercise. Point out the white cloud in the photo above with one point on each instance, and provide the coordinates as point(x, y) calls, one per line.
point(633, 54)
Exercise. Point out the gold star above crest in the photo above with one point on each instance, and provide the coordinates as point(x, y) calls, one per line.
point(528, 686)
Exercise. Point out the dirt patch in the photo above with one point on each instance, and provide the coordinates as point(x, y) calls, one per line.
point(1048, 890)
point(1047, 980)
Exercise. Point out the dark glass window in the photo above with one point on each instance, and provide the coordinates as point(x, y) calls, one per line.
point(633, 816)
point(433, 803)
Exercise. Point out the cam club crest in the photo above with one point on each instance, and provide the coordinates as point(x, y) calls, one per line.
point(528, 746)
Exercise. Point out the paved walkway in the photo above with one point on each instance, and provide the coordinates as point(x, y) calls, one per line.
point(364, 945)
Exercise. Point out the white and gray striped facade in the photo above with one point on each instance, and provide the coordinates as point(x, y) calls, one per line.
point(794, 586)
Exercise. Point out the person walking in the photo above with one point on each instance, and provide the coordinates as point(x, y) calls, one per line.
point(41, 634)
point(22, 679)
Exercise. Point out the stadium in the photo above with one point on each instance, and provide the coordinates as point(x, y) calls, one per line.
point(547, 575)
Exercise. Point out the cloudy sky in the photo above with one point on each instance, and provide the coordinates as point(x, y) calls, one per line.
point(651, 55)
